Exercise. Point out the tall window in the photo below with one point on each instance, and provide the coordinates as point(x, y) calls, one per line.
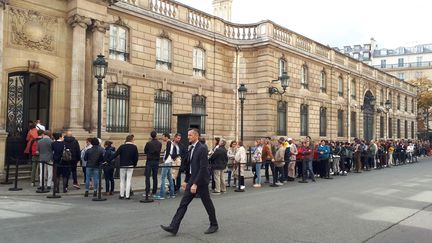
point(199, 62)
point(412, 130)
point(382, 97)
point(199, 107)
point(304, 77)
point(353, 89)
point(118, 43)
point(398, 101)
point(340, 86)
point(163, 53)
point(383, 63)
point(353, 124)
point(390, 128)
point(304, 120)
point(398, 127)
point(323, 121)
point(419, 61)
point(282, 66)
point(117, 108)
point(323, 85)
point(340, 131)
point(282, 118)
point(400, 62)
point(412, 105)
point(162, 111)
point(381, 127)
point(406, 128)
point(406, 104)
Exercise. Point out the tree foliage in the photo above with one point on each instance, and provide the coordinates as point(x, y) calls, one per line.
point(424, 94)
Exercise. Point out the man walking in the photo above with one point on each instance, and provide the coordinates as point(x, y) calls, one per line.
point(198, 183)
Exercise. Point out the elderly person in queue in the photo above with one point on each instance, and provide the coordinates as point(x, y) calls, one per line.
point(240, 163)
point(218, 162)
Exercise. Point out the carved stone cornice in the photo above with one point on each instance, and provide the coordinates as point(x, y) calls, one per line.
point(78, 20)
point(100, 26)
point(3, 4)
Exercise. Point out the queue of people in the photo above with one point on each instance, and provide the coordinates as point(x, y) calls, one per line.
point(286, 158)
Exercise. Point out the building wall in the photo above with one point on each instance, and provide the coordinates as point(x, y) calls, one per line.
point(234, 54)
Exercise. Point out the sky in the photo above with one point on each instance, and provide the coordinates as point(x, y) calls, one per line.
point(340, 22)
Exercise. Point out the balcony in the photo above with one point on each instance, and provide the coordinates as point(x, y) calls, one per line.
point(405, 65)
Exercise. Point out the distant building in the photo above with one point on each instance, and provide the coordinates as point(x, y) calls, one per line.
point(362, 52)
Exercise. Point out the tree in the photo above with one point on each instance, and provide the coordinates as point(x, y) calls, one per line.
point(424, 93)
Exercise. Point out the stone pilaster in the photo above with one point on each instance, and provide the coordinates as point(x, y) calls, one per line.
point(79, 25)
point(3, 134)
point(98, 30)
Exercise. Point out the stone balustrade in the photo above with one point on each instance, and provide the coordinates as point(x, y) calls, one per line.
point(248, 32)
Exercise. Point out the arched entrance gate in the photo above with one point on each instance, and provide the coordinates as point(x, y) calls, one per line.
point(368, 116)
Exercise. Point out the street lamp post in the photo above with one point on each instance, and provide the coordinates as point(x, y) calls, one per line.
point(242, 90)
point(284, 83)
point(100, 67)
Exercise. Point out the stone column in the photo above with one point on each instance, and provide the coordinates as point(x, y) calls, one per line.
point(98, 29)
point(3, 85)
point(79, 25)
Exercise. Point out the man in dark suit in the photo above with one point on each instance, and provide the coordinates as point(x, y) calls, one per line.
point(197, 183)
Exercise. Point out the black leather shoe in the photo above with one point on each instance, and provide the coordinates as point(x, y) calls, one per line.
point(169, 229)
point(212, 229)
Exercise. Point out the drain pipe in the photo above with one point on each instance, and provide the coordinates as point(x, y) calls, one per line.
point(237, 75)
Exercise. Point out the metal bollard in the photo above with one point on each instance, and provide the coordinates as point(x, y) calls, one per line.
point(42, 188)
point(99, 197)
point(239, 180)
point(55, 187)
point(146, 199)
point(7, 182)
point(15, 188)
point(303, 172)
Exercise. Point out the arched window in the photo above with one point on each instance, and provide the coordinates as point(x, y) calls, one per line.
point(162, 111)
point(282, 66)
point(323, 85)
point(117, 108)
point(163, 53)
point(340, 86)
point(199, 57)
point(118, 43)
point(323, 121)
point(304, 120)
point(304, 77)
point(282, 118)
point(199, 107)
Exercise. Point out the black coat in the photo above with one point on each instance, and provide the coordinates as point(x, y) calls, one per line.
point(219, 159)
point(72, 144)
point(199, 166)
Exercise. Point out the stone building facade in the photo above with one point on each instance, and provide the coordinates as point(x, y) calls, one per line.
point(166, 58)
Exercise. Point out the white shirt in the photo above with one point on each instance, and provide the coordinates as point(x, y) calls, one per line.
point(40, 127)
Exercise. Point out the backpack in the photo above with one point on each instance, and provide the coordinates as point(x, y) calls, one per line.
point(67, 154)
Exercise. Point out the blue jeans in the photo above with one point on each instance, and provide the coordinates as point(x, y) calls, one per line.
point(258, 172)
point(166, 172)
point(310, 169)
point(92, 172)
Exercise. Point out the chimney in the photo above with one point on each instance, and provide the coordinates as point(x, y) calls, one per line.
point(222, 9)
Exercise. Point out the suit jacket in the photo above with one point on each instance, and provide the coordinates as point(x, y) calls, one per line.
point(199, 166)
point(44, 148)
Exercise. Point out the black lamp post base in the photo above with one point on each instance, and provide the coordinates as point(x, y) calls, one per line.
point(54, 196)
point(239, 190)
point(302, 181)
point(13, 189)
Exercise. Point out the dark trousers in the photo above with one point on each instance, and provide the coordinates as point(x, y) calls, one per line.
point(187, 199)
point(177, 182)
point(74, 172)
point(274, 173)
point(109, 179)
point(266, 168)
point(84, 172)
point(326, 171)
point(152, 168)
point(285, 172)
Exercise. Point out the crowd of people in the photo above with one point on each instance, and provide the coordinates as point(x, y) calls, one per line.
point(285, 158)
